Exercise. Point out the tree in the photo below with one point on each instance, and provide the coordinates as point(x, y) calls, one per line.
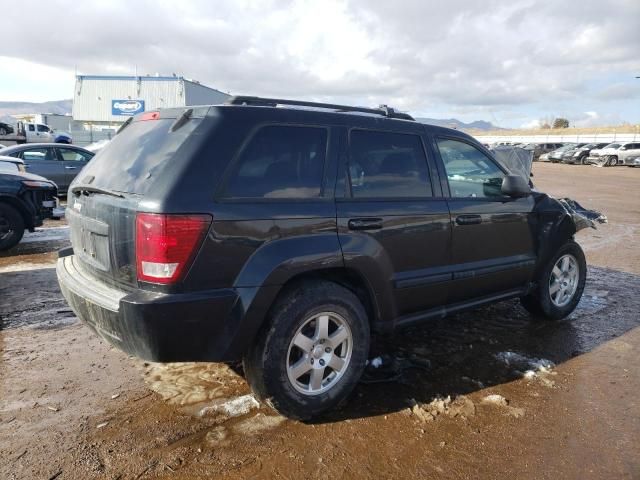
point(561, 123)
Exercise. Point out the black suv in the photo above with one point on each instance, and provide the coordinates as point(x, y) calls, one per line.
point(25, 201)
point(284, 236)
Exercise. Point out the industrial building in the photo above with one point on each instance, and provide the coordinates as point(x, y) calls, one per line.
point(105, 102)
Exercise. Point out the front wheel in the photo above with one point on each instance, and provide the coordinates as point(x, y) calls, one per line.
point(560, 284)
point(312, 352)
point(11, 227)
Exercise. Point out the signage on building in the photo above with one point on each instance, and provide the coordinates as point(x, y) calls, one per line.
point(126, 107)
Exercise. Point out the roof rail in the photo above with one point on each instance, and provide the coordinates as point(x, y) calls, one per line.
point(272, 102)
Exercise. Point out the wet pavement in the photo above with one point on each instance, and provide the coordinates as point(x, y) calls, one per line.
point(490, 393)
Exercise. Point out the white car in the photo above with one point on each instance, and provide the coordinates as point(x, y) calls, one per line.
point(614, 154)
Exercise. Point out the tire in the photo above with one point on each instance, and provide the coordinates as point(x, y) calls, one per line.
point(557, 305)
point(11, 227)
point(613, 161)
point(269, 363)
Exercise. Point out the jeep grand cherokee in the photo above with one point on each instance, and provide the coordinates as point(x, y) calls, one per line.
point(284, 232)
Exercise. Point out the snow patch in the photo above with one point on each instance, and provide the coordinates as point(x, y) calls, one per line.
point(376, 362)
point(528, 367)
point(232, 408)
point(50, 234)
point(25, 267)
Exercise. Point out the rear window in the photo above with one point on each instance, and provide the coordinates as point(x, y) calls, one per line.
point(132, 160)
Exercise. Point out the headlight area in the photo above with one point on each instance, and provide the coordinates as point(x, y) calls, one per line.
point(39, 184)
point(40, 197)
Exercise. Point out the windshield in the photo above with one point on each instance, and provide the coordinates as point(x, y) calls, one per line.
point(612, 145)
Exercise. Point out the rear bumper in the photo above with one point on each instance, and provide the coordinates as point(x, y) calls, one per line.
point(201, 326)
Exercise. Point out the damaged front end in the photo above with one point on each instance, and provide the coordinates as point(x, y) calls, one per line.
point(556, 221)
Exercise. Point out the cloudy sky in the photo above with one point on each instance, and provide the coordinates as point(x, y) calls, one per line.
point(509, 62)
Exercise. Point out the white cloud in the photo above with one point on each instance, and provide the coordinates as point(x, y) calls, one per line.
point(531, 124)
point(527, 55)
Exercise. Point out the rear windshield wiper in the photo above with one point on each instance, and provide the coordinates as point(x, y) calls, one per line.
point(91, 189)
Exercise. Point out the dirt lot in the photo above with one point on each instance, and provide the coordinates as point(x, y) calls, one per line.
point(485, 394)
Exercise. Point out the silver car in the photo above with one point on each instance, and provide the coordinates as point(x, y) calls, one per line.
point(622, 153)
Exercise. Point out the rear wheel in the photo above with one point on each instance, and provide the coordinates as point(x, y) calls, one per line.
point(560, 284)
point(11, 226)
point(312, 352)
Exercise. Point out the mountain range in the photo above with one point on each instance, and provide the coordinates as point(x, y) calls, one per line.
point(63, 107)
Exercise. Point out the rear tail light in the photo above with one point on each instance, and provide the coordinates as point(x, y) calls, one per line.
point(167, 244)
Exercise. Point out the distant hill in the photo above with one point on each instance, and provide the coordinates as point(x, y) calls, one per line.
point(61, 107)
point(459, 125)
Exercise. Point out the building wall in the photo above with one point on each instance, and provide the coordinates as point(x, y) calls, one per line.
point(200, 95)
point(93, 96)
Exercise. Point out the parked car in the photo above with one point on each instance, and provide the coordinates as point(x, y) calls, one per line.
point(6, 129)
point(542, 148)
point(25, 201)
point(614, 154)
point(580, 154)
point(284, 236)
point(58, 162)
point(11, 164)
point(556, 155)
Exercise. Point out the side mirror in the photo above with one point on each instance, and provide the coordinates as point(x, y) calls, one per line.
point(515, 186)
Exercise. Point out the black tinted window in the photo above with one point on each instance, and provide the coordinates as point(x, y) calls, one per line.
point(280, 162)
point(384, 164)
point(469, 171)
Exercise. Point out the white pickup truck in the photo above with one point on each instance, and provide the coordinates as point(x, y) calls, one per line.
point(38, 133)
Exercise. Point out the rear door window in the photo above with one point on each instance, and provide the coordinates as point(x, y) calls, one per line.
point(72, 155)
point(280, 162)
point(387, 165)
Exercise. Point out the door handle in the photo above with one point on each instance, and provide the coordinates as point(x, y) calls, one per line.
point(70, 168)
point(468, 219)
point(365, 224)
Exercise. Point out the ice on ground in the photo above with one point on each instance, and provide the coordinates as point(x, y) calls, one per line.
point(528, 367)
point(232, 408)
point(503, 403)
point(48, 234)
point(376, 362)
point(25, 266)
point(460, 407)
point(496, 399)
